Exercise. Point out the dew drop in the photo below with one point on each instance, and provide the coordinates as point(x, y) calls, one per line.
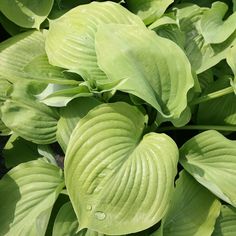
point(31, 19)
point(100, 215)
point(89, 208)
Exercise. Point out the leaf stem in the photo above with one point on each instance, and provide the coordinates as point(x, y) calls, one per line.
point(213, 95)
point(199, 127)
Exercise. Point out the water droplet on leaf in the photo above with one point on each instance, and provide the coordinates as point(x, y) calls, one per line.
point(31, 19)
point(89, 208)
point(100, 215)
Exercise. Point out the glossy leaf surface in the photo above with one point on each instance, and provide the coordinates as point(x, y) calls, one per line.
point(115, 175)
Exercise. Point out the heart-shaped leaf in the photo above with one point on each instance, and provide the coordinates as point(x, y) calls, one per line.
point(211, 159)
point(70, 40)
point(144, 62)
point(27, 195)
point(114, 175)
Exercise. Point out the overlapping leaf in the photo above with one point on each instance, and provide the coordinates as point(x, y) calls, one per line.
point(18, 150)
point(226, 223)
point(211, 159)
point(219, 111)
point(70, 40)
point(213, 28)
point(149, 10)
point(193, 210)
point(231, 60)
point(114, 176)
point(144, 62)
point(29, 118)
point(201, 55)
point(70, 116)
point(66, 222)
point(23, 57)
point(28, 14)
point(27, 195)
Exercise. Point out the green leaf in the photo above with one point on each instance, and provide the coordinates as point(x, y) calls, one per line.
point(201, 55)
point(66, 222)
point(213, 27)
point(70, 116)
point(27, 195)
point(226, 223)
point(18, 150)
point(29, 118)
point(28, 14)
point(3, 129)
point(149, 10)
point(115, 175)
point(218, 111)
point(9, 26)
point(144, 61)
point(70, 40)
point(164, 20)
point(193, 209)
point(61, 200)
point(211, 159)
point(23, 57)
point(231, 60)
point(60, 95)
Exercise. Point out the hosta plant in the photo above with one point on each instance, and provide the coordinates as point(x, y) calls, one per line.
point(118, 118)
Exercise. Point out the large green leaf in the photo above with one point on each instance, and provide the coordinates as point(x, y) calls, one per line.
point(218, 111)
point(29, 118)
point(211, 159)
point(27, 195)
point(201, 55)
point(149, 10)
point(23, 57)
point(226, 223)
point(17, 150)
point(193, 210)
point(114, 175)
point(70, 116)
point(144, 62)
point(28, 14)
point(70, 40)
point(213, 28)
